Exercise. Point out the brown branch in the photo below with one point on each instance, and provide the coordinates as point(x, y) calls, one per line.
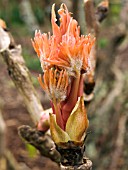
point(20, 75)
point(92, 27)
point(90, 18)
point(93, 17)
point(92, 22)
point(40, 141)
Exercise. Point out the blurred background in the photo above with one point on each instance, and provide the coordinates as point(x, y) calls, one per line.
point(107, 144)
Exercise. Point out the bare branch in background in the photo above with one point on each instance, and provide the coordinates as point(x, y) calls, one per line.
point(93, 17)
point(20, 75)
point(28, 16)
point(91, 27)
point(92, 20)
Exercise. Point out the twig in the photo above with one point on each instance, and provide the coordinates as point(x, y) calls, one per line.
point(20, 75)
point(40, 141)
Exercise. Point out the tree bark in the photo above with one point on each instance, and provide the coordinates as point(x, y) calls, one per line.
point(20, 75)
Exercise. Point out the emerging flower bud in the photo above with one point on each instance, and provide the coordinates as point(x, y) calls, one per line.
point(64, 57)
point(43, 124)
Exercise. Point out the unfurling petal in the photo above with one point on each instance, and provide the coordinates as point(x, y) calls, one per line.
point(58, 135)
point(77, 122)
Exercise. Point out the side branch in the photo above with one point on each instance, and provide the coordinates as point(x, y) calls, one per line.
point(40, 141)
point(19, 73)
point(91, 22)
point(93, 17)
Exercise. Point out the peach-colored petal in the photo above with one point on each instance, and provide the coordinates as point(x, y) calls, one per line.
point(55, 27)
point(65, 45)
point(41, 83)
